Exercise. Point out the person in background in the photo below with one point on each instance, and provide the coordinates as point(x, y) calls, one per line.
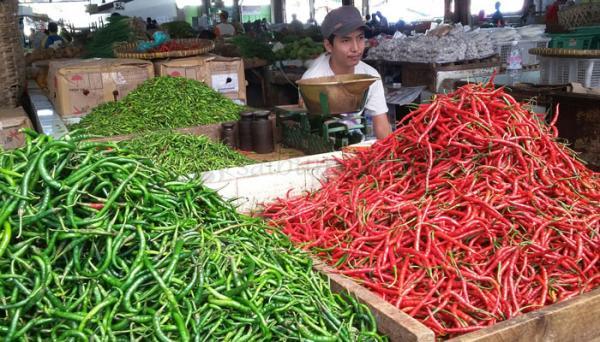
point(497, 17)
point(552, 12)
point(223, 28)
point(528, 17)
point(383, 22)
point(264, 25)
point(343, 30)
point(53, 39)
point(31, 37)
point(481, 17)
point(154, 24)
point(203, 22)
point(369, 27)
point(149, 24)
point(296, 25)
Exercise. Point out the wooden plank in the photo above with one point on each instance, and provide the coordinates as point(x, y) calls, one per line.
point(394, 323)
point(576, 320)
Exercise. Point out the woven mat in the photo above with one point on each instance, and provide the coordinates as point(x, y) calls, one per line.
point(565, 53)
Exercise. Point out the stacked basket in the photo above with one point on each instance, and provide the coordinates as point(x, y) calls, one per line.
point(12, 62)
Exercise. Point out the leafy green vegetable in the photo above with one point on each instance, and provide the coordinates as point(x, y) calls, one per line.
point(117, 30)
point(179, 29)
point(302, 49)
point(250, 47)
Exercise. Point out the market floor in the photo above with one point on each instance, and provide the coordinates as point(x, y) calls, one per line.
point(280, 153)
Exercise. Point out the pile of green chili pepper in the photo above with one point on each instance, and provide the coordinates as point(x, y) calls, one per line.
point(159, 103)
point(96, 244)
point(184, 154)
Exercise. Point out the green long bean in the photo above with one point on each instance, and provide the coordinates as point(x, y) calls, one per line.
point(130, 252)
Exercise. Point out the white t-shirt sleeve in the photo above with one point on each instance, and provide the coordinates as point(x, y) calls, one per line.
point(375, 104)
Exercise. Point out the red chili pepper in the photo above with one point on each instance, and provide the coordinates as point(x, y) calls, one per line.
point(470, 213)
point(97, 206)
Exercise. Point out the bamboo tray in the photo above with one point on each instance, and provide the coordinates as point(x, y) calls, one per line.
point(128, 50)
point(565, 53)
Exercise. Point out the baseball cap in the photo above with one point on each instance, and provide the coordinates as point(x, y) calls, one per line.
point(342, 21)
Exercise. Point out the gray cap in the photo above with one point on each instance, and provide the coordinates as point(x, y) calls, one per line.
point(342, 21)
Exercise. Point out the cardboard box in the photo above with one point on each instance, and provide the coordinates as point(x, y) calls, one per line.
point(11, 121)
point(76, 86)
point(223, 74)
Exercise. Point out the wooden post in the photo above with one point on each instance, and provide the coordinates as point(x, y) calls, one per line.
point(311, 6)
point(12, 65)
point(237, 13)
point(277, 9)
point(462, 11)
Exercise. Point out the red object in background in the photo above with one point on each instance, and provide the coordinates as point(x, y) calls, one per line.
point(552, 13)
point(173, 45)
point(470, 213)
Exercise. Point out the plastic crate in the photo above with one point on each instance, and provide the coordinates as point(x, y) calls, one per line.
point(528, 59)
point(555, 70)
point(593, 30)
point(578, 41)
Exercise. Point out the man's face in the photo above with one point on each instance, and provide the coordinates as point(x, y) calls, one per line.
point(347, 50)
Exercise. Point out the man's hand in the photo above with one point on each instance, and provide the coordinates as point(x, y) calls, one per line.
point(381, 126)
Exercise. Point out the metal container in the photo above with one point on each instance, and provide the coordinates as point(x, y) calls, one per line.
point(262, 133)
point(228, 136)
point(338, 94)
point(245, 131)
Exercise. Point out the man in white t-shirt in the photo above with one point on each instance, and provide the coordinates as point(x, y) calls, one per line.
point(344, 42)
point(224, 28)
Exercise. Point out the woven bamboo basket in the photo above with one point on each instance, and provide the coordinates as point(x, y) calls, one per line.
point(12, 61)
point(565, 53)
point(128, 50)
point(580, 15)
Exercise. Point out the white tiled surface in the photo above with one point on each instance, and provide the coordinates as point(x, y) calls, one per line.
point(47, 119)
point(250, 186)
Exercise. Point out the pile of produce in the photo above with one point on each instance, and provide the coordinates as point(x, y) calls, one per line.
point(159, 103)
point(469, 214)
point(178, 29)
point(184, 154)
point(98, 245)
point(302, 49)
point(173, 45)
point(457, 44)
point(250, 47)
point(118, 29)
point(65, 51)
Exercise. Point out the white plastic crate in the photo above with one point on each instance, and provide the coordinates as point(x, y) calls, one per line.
point(528, 59)
point(556, 70)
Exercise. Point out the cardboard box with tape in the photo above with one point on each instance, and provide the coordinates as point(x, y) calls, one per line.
point(224, 74)
point(11, 121)
point(76, 86)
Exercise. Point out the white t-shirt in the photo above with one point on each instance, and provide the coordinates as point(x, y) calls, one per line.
point(226, 29)
point(375, 104)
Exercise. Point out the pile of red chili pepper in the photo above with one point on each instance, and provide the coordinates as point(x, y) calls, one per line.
point(469, 214)
point(173, 45)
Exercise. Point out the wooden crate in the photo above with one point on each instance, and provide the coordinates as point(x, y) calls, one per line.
point(395, 324)
point(579, 123)
point(572, 320)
